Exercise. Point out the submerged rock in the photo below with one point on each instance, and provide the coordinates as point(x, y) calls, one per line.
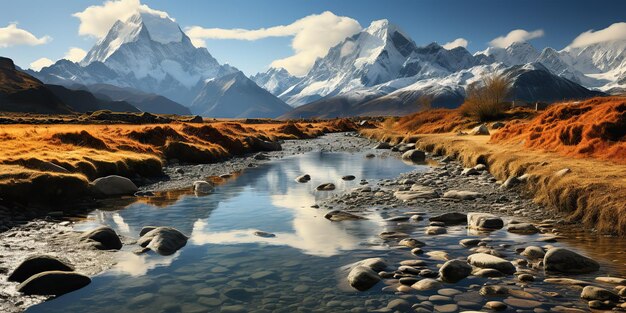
point(362, 278)
point(566, 261)
point(104, 237)
point(450, 218)
point(36, 264)
point(53, 283)
point(427, 284)
point(163, 240)
point(326, 187)
point(338, 216)
point(533, 252)
point(348, 177)
point(454, 270)
point(113, 185)
point(411, 243)
point(523, 228)
point(303, 178)
point(484, 260)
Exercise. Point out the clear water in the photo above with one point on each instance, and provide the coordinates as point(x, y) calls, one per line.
point(224, 254)
point(225, 267)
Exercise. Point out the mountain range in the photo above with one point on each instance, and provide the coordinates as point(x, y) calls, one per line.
point(378, 71)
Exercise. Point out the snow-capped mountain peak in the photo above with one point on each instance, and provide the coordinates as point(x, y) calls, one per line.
point(516, 53)
point(138, 26)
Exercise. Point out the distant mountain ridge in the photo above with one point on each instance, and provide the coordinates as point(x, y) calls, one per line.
point(20, 92)
point(150, 55)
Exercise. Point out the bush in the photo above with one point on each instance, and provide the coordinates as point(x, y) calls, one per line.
point(485, 99)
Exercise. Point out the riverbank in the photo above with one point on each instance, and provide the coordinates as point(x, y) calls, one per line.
point(397, 201)
point(569, 158)
point(29, 231)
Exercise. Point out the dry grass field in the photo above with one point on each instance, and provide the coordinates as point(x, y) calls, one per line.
point(53, 163)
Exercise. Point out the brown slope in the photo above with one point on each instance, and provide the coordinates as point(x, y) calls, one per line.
point(20, 92)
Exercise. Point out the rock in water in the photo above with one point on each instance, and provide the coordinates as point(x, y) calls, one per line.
point(454, 270)
point(338, 216)
point(480, 130)
point(106, 238)
point(450, 218)
point(37, 264)
point(484, 260)
point(597, 293)
point(348, 177)
point(566, 261)
point(163, 240)
point(523, 228)
point(484, 221)
point(114, 185)
point(363, 278)
point(414, 156)
point(303, 178)
point(533, 252)
point(53, 283)
point(202, 187)
point(326, 187)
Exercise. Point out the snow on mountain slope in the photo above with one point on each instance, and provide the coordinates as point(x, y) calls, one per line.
point(379, 54)
point(236, 96)
point(146, 52)
point(275, 80)
point(516, 53)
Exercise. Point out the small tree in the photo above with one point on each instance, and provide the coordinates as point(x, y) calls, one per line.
point(486, 98)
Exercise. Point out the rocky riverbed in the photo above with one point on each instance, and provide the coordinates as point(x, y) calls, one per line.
point(454, 239)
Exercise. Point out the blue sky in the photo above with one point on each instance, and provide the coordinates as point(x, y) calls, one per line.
point(477, 21)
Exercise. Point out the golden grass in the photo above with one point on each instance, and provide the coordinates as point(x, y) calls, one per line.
point(35, 153)
point(593, 128)
point(594, 192)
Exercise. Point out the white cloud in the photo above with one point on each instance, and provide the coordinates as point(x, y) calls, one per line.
point(96, 20)
point(41, 63)
point(312, 35)
point(14, 36)
point(616, 31)
point(459, 42)
point(517, 35)
point(75, 54)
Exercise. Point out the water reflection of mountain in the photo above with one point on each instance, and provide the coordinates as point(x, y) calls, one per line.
point(266, 198)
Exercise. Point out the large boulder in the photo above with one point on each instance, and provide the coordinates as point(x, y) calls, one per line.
point(479, 130)
point(451, 218)
point(414, 156)
point(113, 185)
point(597, 293)
point(567, 261)
point(53, 283)
point(362, 278)
point(484, 221)
point(484, 260)
point(163, 240)
point(533, 252)
point(36, 264)
point(454, 270)
point(202, 187)
point(104, 237)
